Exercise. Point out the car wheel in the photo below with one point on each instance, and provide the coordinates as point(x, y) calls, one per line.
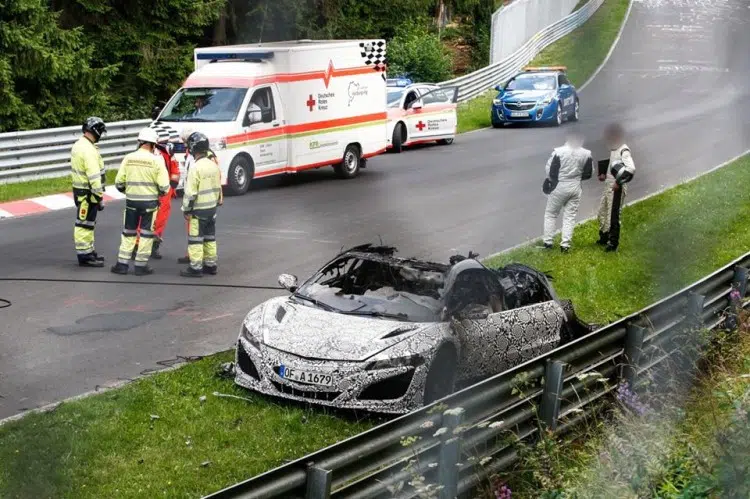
point(441, 376)
point(576, 111)
point(559, 114)
point(497, 125)
point(399, 137)
point(445, 142)
point(240, 174)
point(350, 163)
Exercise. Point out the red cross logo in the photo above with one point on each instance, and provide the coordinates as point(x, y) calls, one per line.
point(329, 73)
point(420, 125)
point(310, 102)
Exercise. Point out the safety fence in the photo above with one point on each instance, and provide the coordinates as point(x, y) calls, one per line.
point(459, 442)
point(45, 153)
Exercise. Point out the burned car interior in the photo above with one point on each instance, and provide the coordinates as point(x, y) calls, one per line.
point(370, 279)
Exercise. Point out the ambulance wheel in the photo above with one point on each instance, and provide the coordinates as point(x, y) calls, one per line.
point(399, 137)
point(349, 166)
point(445, 142)
point(239, 176)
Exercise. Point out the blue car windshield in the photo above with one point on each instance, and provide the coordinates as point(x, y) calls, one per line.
point(532, 82)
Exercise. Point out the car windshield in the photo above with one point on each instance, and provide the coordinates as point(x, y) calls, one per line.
point(532, 82)
point(394, 96)
point(371, 285)
point(204, 104)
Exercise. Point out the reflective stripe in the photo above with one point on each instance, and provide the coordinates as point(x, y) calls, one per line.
point(94, 177)
point(84, 224)
point(209, 238)
point(123, 261)
point(208, 191)
point(143, 184)
point(144, 197)
point(147, 236)
point(129, 232)
point(204, 206)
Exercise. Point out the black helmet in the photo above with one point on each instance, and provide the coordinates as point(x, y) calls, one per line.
point(95, 126)
point(197, 143)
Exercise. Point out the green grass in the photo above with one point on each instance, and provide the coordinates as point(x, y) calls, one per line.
point(42, 187)
point(668, 241)
point(582, 51)
point(109, 445)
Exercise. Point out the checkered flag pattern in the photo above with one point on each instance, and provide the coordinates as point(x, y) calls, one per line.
point(374, 54)
point(165, 131)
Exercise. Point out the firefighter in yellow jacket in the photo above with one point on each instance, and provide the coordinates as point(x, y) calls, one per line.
point(143, 179)
point(201, 198)
point(87, 170)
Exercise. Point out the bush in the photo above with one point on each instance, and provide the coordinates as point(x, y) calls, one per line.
point(418, 52)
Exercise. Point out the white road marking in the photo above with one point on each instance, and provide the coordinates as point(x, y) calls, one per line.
point(54, 202)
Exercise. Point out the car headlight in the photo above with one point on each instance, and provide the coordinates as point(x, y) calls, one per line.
point(545, 101)
point(414, 360)
point(497, 102)
point(251, 338)
point(254, 318)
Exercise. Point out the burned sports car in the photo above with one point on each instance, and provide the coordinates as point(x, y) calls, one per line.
point(376, 332)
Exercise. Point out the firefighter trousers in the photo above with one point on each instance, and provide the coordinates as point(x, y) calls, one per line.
point(138, 224)
point(202, 248)
point(566, 198)
point(610, 208)
point(83, 231)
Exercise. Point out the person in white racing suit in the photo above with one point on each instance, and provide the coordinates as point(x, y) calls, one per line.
point(566, 168)
point(616, 172)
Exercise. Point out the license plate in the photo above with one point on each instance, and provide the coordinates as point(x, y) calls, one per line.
point(305, 376)
point(519, 114)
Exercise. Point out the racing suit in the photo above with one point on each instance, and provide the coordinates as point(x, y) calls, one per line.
point(567, 167)
point(613, 197)
point(87, 170)
point(143, 179)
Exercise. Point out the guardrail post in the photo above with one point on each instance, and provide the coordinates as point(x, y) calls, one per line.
point(553, 382)
point(450, 452)
point(318, 483)
point(740, 280)
point(695, 309)
point(633, 351)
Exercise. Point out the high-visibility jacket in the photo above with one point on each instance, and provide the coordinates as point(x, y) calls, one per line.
point(203, 187)
point(87, 167)
point(142, 177)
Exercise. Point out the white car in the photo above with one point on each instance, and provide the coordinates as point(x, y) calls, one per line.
point(419, 113)
point(374, 332)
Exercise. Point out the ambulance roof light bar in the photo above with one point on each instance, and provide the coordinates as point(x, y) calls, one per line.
point(233, 56)
point(545, 68)
point(398, 82)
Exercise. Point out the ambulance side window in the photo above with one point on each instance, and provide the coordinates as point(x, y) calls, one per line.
point(263, 98)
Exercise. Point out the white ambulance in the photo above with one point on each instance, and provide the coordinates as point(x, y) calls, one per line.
point(285, 107)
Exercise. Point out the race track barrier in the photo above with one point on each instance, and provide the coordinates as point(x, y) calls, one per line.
point(461, 447)
point(45, 153)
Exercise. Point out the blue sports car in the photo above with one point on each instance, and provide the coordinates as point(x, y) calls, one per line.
point(536, 95)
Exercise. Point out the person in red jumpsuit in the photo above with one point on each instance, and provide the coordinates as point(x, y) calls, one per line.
point(164, 149)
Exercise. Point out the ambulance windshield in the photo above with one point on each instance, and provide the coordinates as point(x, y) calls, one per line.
point(204, 104)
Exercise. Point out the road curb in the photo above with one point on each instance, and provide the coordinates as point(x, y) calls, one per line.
point(45, 204)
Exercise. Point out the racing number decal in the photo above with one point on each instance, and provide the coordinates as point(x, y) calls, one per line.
point(568, 101)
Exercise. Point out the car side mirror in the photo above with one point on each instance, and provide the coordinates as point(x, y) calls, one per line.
point(417, 104)
point(254, 115)
point(288, 282)
point(499, 88)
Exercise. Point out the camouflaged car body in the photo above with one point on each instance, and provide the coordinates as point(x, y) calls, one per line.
point(382, 365)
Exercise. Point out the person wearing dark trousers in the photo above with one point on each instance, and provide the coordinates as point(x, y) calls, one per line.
point(616, 172)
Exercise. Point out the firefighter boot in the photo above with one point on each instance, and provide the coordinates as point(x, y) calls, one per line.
point(119, 268)
point(191, 272)
point(97, 257)
point(210, 270)
point(155, 250)
point(90, 260)
point(143, 270)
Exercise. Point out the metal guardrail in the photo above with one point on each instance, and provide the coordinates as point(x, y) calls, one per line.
point(46, 153)
point(378, 463)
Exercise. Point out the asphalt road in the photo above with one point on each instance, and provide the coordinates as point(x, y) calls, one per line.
point(677, 80)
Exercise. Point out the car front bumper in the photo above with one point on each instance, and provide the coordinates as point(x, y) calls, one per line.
point(501, 114)
point(396, 390)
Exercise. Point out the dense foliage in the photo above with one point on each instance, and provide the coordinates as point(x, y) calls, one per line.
point(61, 60)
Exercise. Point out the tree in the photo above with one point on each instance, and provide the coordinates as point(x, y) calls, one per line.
point(46, 73)
point(415, 51)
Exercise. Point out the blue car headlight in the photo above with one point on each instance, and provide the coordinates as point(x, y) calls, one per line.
point(546, 101)
point(497, 102)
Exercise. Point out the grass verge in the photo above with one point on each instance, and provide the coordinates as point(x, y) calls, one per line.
point(109, 444)
point(582, 51)
point(668, 241)
point(157, 438)
point(41, 187)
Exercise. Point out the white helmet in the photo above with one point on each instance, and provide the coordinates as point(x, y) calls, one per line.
point(148, 135)
point(186, 132)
